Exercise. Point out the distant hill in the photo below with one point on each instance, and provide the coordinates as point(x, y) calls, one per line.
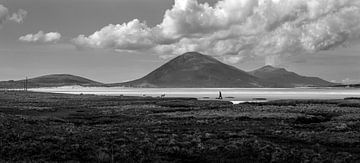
point(190, 70)
point(283, 78)
point(196, 70)
point(55, 80)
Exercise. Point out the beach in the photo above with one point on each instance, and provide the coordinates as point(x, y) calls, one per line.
point(229, 94)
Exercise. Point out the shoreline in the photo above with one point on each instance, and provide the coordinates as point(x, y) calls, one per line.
point(229, 94)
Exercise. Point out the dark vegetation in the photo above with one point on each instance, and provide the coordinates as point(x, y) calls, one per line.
point(348, 85)
point(347, 102)
point(39, 127)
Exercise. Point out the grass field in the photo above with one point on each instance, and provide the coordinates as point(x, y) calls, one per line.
point(43, 127)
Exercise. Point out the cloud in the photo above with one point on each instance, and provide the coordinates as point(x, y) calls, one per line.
point(4, 12)
point(350, 81)
point(41, 37)
point(128, 36)
point(237, 30)
point(17, 17)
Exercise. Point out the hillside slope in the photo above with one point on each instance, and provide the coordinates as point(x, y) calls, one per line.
point(283, 78)
point(55, 80)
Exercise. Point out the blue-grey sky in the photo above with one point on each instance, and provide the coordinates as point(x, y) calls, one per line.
point(334, 56)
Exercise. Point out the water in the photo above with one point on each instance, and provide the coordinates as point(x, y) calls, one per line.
point(237, 95)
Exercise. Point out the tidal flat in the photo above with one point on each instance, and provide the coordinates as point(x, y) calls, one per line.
point(49, 127)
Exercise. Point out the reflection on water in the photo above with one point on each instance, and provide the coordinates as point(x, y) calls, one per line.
point(229, 94)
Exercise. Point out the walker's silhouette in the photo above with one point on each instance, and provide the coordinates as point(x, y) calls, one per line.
point(220, 95)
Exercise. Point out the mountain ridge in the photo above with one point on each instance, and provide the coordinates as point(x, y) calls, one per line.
point(52, 80)
point(284, 78)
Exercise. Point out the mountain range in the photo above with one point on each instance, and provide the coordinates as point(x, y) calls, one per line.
point(193, 69)
point(190, 70)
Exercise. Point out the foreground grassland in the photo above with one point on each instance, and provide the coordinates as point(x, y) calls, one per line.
point(39, 127)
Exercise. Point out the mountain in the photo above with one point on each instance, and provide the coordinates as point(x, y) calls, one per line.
point(56, 80)
point(192, 70)
point(283, 78)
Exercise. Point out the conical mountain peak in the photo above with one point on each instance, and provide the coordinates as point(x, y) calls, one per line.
point(194, 58)
point(193, 54)
point(194, 69)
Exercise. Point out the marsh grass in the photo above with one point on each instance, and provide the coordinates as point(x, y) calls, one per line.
point(140, 129)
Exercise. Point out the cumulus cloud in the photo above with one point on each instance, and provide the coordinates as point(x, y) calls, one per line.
point(17, 17)
point(41, 37)
point(129, 36)
point(236, 30)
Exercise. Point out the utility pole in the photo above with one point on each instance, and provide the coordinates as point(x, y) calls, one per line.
point(26, 85)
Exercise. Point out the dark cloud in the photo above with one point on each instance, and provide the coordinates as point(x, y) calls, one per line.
point(17, 17)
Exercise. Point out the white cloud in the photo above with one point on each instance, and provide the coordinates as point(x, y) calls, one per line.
point(128, 36)
point(41, 37)
point(17, 17)
point(238, 29)
point(350, 81)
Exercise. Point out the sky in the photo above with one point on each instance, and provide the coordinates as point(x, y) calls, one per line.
point(120, 40)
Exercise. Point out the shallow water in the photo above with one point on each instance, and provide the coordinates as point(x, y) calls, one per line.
point(230, 94)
